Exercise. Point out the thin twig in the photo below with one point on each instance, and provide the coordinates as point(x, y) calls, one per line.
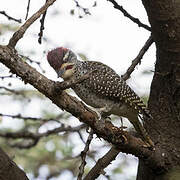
point(12, 91)
point(4, 77)
point(25, 144)
point(138, 58)
point(19, 116)
point(83, 155)
point(81, 137)
point(30, 135)
point(54, 174)
point(32, 61)
point(19, 34)
point(42, 26)
point(85, 10)
point(9, 17)
point(102, 163)
point(35, 137)
point(126, 14)
point(27, 12)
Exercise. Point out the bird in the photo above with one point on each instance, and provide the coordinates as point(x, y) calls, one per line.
point(104, 89)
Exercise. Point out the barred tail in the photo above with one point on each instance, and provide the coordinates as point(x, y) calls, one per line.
point(138, 104)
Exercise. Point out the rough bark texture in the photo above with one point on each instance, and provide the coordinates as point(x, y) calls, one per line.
point(9, 170)
point(159, 164)
point(123, 140)
point(164, 102)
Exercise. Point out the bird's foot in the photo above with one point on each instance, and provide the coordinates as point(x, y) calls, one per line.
point(149, 146)
point(102, 116)
point(103, 112)
point(123, 127)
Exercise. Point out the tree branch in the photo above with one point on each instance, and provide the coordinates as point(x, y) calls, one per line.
point(126, 14)
point(32, 61)
point(19, 116)
point(42, 26)
point(102, 163)
point(9, 17)
point(30, 135)
point(138, 58)
point(121, 139)
point(35, 137)
point(19, 34)
point(4, 77)
point(85, 10)
point(9, 169)
point(83, 155)
point(12, 91)
point(25, 144)
point(27, 12)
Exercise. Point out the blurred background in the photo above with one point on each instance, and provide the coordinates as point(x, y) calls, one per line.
point(94, 30)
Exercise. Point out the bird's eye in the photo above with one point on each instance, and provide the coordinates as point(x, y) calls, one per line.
point(69, 67)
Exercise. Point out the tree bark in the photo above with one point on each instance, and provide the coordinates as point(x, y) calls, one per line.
point(164, 101)
point(162, 163)
point(9, 170)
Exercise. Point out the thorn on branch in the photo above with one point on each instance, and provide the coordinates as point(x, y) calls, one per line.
point(9, 17)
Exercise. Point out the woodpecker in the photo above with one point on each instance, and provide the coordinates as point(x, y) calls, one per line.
point(103, 89)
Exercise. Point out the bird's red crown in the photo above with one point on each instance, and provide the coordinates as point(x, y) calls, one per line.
point(55, 57)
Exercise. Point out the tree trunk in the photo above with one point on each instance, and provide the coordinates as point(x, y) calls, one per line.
point(164, 101)
point(9, 170)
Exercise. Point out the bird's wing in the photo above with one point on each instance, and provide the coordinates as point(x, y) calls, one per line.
point(107, 83)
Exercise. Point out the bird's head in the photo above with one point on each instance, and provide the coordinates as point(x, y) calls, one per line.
point(62, 60)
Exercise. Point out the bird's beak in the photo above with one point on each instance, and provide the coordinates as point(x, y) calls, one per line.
point(60, 73)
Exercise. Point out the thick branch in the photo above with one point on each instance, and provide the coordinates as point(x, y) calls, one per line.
point(9, 170)
point(19, 34)
point(121, 139)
